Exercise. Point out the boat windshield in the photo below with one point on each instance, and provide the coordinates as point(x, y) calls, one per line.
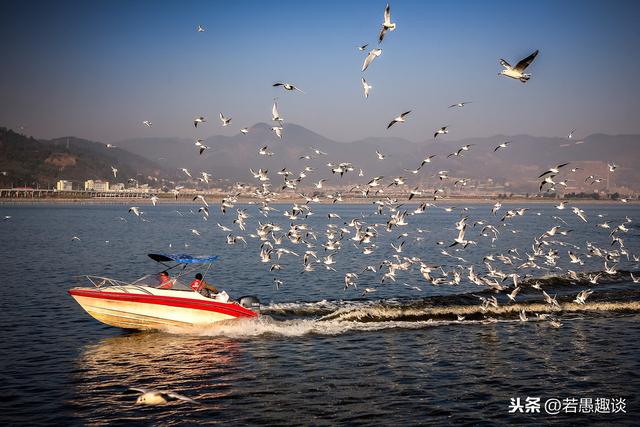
point(182, 268)
point(152, 281)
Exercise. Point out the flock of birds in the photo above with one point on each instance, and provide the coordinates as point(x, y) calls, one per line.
point(318, 253)
point(312, 249)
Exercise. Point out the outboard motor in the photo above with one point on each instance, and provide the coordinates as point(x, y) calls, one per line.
point(251, 302)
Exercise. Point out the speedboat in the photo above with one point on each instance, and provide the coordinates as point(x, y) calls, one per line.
point(142, 305)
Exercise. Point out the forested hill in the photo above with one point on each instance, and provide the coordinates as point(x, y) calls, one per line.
point(25, 161)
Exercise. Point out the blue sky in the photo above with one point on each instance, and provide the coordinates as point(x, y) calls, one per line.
point(98, 69)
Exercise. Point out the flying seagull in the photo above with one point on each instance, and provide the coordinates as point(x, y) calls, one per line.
point(287, 86)
point(147, 123)
point(399, 119)
point(198, 120)
point(426, 160)
point(503, 145)
point(387, 25)
point(571, 134)
point(275, 115)
point(264, 151)
point(115, 172)
point(582, 296)
point(459, 104)
point(278, 131)
point(580, 213)
point(553, 170)
point(366, 87)
point(363, 47)
point(517, 72)
point(225, 121)
point(200, 29)
point(205, 177)
point(443, 130)
point(373, 54)
point(244, 131)
point(201, 197)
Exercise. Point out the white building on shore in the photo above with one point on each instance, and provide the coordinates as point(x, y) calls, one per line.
point(97, 185)
point(64, 185)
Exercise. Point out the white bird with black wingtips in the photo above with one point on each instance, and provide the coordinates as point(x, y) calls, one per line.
point(199, 120)
point(503, 145)
point(442, 131)
point(288, 86)
point(277, 130)
point(387, 25)
point(399, 119)
point(225, 120)
point(517, 72)
point(554, 170)
point(373, 54)
point(264, 151)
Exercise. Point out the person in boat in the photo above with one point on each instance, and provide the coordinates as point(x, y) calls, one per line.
point(204, 288)
point(165, 281)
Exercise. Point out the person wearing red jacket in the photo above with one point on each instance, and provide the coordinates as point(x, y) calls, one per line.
point(199, 285)
point(165, 281)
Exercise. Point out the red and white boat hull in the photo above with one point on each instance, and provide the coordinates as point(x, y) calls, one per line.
point(145, 308)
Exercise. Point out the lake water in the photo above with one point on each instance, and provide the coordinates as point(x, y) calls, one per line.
point(321, 354)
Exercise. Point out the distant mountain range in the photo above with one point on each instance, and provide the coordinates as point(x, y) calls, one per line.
point(515, 168)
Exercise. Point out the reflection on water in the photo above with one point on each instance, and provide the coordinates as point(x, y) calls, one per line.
point(450, 372)
point(196, 367)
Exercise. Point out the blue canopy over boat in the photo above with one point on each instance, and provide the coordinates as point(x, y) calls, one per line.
point(182, 258)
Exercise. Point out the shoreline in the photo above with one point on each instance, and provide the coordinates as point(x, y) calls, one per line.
point(300, 200)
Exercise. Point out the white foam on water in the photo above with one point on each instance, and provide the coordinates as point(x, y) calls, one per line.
point(304, 307)
point(297, 328)
point(366, 316)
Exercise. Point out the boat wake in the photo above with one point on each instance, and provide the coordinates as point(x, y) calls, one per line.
point(614, 295)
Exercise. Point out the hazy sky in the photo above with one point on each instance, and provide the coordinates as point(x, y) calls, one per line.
point(97, 69)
